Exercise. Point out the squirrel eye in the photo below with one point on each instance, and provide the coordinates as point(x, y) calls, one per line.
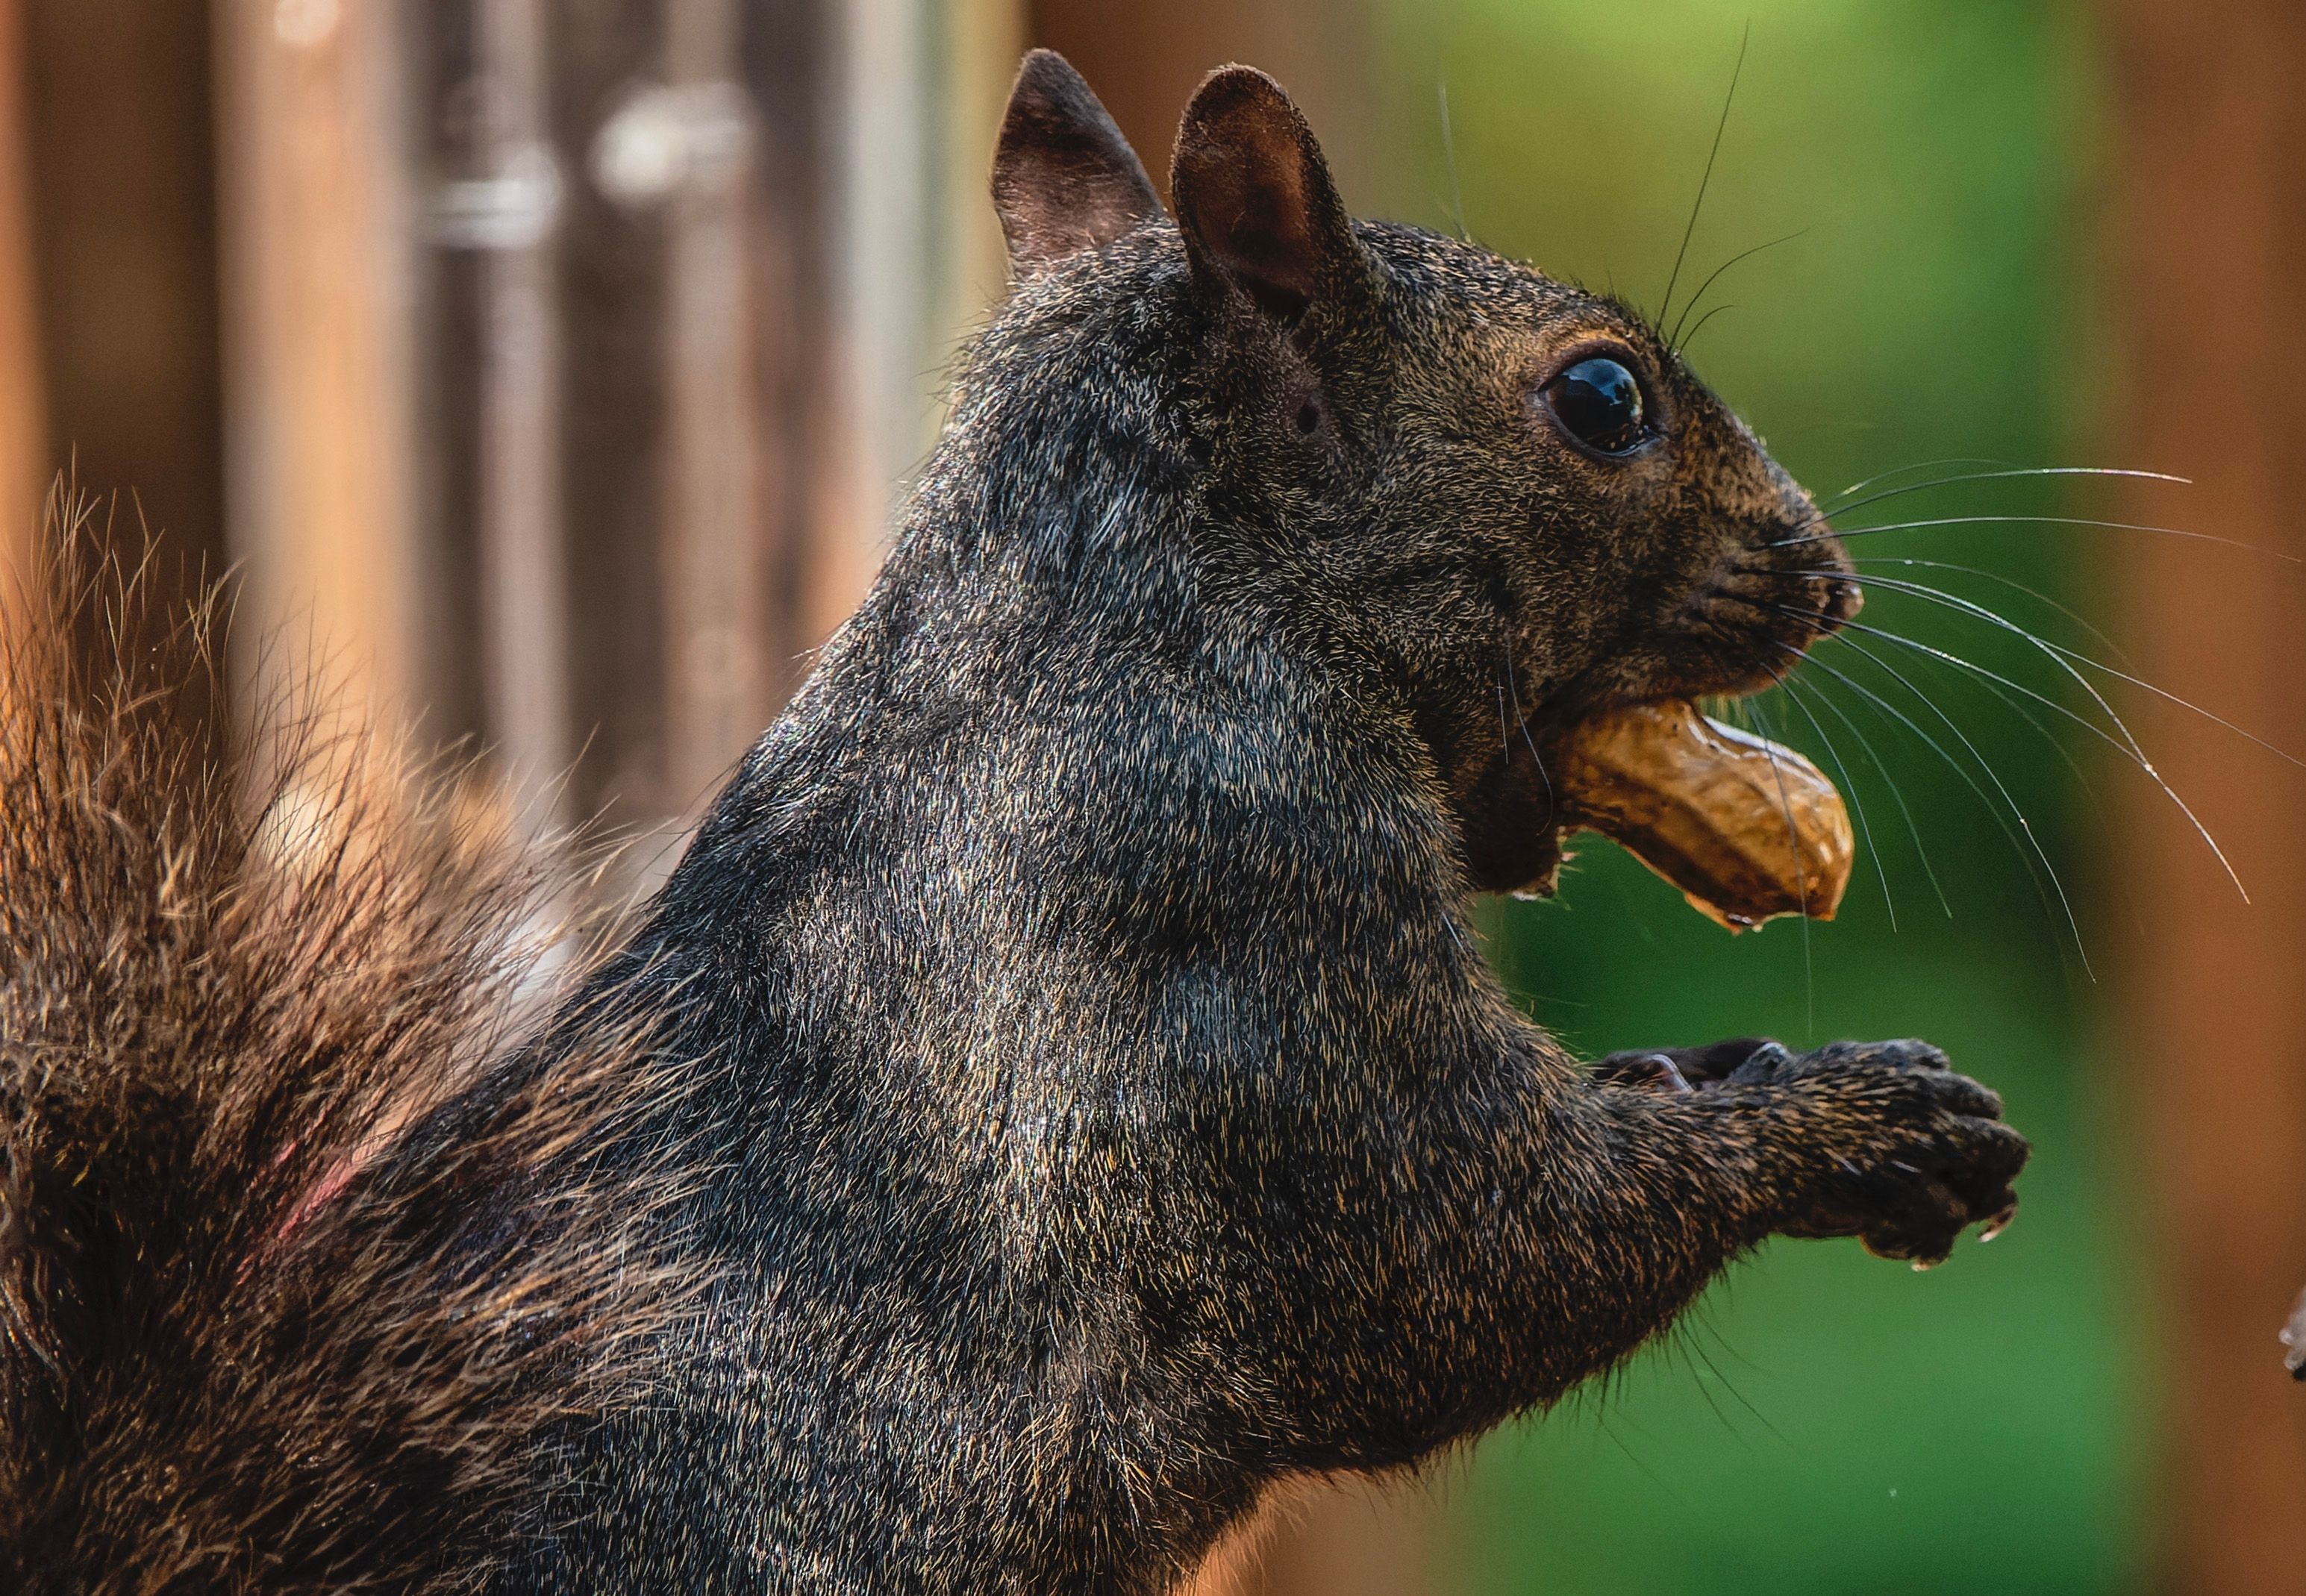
point(1599, 403)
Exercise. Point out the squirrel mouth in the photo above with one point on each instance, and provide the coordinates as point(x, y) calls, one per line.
point(1746, 828)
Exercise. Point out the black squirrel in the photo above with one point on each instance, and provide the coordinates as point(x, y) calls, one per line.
point(1058, 1097)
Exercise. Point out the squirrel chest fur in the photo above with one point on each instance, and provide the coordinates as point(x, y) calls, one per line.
point(1090, 1103)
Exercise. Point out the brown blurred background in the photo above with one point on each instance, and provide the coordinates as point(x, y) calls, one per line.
point(551, 367)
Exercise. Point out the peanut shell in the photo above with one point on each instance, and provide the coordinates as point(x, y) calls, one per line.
point(1747, 828)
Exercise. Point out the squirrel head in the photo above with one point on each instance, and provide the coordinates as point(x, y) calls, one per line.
point(1513, 493)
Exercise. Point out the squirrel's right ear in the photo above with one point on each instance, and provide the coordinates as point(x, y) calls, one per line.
point(1064, 178)
point(1255, 201)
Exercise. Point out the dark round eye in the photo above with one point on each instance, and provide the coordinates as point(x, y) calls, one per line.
point(1599, 403)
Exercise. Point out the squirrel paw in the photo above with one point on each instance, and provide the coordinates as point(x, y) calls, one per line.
point(1893, 1148)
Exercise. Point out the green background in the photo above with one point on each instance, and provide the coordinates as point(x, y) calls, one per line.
point(1827, 1421)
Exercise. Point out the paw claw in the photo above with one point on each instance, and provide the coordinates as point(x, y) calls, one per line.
point(1661, 1072)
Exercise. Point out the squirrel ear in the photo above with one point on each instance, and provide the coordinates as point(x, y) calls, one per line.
point(1064, 178)
point(1255, 199)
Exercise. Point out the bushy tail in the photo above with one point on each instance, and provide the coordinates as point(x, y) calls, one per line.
point(250, 1340)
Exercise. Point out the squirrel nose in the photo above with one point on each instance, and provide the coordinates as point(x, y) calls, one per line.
point(1843, 600)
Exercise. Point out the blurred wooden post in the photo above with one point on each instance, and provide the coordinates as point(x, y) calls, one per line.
point(522, 570)
point(2214, 178)
point(914, 256)
point(886, 251)
point(984, 41)
point(716, 551)
point(317, 238)
point(118, 125)
point(23, 441)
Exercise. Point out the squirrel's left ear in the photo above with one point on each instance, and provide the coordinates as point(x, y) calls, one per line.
point(1255, 201)
point(1064, 178)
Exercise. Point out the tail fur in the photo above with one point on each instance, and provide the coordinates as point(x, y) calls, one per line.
point(254, 1335)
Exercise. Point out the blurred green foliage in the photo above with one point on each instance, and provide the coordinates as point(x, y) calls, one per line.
point(1829, 1422)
